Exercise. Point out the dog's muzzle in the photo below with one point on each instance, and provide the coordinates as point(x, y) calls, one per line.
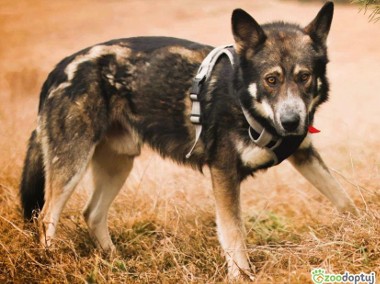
point(290, 116)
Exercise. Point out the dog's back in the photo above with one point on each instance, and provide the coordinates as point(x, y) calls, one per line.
point(125, 92)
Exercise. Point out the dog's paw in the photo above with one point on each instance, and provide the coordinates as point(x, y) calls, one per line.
point(243, 276)
point(349, 209)
point(110, 252)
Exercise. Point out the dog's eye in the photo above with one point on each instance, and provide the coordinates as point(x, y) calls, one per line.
point(305, 77)
point(271, 80)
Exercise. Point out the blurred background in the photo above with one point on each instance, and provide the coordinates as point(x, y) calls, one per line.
point(36, 35)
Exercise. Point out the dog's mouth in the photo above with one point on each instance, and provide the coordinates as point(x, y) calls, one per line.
point(284, 133)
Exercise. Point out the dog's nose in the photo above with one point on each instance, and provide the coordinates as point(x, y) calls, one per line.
point(290, 122)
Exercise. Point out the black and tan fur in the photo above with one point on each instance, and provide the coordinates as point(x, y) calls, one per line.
point(100, 105)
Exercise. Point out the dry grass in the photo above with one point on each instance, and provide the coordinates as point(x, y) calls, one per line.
point(163, 221)
point(168, 241)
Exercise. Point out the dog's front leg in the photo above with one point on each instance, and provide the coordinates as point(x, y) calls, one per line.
point(310, 164)
point(230, 227)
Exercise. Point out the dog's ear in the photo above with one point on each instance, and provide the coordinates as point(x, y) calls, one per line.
point(246, 31)
point(319, 28)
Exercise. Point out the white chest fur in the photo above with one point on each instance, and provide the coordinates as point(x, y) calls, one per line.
point(252, 155)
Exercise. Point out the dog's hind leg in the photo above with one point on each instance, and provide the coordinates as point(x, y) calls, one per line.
point(230, 227)
point(63, 172)
point(109, 172)
point(310, 164)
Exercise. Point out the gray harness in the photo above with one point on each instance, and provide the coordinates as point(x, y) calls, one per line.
point(257, 133)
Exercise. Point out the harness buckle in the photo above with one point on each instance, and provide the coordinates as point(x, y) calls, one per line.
point(195, 116)
point(196, 87)
point(195, 119)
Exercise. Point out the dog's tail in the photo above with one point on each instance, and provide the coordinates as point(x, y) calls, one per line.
point(33, 179)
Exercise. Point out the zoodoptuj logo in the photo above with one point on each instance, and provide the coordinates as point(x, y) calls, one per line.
point(319, 276)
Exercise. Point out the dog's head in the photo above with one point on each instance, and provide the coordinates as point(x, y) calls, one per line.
point(283, 69)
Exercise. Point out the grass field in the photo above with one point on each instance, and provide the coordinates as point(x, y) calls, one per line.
point(163, 220)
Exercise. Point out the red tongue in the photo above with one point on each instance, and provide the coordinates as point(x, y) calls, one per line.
point(313, 129)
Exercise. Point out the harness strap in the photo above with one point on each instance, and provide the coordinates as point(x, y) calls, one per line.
point(204, 72)
point(265, 138)
point(262, 137)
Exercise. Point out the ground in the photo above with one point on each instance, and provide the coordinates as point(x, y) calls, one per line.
point(163, 220)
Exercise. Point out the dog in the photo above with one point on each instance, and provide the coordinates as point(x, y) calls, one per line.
point(100, 105)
